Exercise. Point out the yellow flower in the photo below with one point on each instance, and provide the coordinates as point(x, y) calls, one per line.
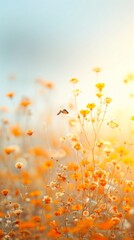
point(77, 146)
point(91, 106)
point(97, 69)
point(72, 122)
point(100, 86)
point(74, 80)
point(84, 112)
point(99, 95)
point(77, 207)
point(132, 118)
point(76, 92)
point(122, 150)
point(129, 78)
point(108, 100)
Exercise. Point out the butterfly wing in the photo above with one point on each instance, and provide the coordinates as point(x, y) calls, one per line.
point(112, 124)
point(64, 111)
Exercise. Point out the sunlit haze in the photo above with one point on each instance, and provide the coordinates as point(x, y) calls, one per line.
point(60, 39)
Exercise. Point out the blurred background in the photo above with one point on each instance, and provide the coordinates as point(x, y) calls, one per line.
point(56, 40)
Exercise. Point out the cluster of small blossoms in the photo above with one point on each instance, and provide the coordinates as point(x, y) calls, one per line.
point(47, 199)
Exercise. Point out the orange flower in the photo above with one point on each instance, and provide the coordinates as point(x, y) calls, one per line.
point(38, 151)
point(54, 233)
point(85, 213)
point(49, 85)
point(130, 184)
point(5, 121)
point(106, 225)
point(47, 199)
point(93, 186)
point(99, 236)
point(126, 208)
point(84, 162)
point(118, 167)
point(16, 130)
point(77, 146)
point(83, 225)
point(100, 190)
point(1, 214)
point(19, 165)
point(72, 166)
point(35, 193)
point(102, 182)
point(119, 215)
point(114, 198)
point(28, 224)
point(129, 187)
point(57, 213)
point(3, 109)
point(115, 220)
point(26, 178)
point(10, 94)
point(100, 173)
point(70, 200)
point(36, 219)
point(77, 207)
point(5, 192)
point(76, 176)
point(84, 112)
point(8, 150)
point(46, 84)
point(1, 233)
point(48, 164)
point(114, 208)
point(36, 202)
point(86, 174)
point(29, 132)
point(25, 102)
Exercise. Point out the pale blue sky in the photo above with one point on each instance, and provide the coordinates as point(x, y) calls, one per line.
point(60, 39)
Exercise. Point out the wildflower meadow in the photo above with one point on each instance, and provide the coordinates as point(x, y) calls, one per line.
point(65, 172)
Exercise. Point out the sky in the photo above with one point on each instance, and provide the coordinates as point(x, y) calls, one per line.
point(61, 39)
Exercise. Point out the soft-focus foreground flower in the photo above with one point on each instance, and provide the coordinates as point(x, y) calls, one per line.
point(74, 80)
point(97, 69)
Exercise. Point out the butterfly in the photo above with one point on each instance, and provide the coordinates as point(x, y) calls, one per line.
point(64, 111)
point(113, 124)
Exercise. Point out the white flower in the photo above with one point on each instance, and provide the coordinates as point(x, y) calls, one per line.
point(59, 194)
